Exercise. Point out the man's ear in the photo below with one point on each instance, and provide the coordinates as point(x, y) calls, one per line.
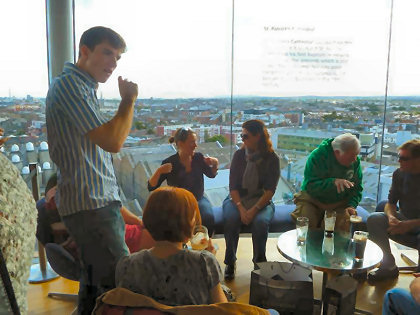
point(84, 51)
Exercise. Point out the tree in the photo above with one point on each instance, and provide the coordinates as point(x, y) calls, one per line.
point(139, 125)
point(331, 117)
point(219, 138)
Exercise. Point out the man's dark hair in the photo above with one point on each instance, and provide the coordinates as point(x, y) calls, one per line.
point(99, 34)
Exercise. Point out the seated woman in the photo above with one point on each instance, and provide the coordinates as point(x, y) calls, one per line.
point(185, 169)
point(167, 272)
point(254, 173)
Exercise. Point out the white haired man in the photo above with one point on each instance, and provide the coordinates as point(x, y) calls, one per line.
point(333, 181)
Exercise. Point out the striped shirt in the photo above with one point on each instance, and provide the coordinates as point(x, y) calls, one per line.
point(86, 178)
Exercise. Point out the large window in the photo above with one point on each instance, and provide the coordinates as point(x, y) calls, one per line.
point(23, 81)
point(403, 107)
point(24, 55)
point(179, 52)
point(313, 70)
point(309, 69)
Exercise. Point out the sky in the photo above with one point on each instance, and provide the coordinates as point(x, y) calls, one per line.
point(183, 48)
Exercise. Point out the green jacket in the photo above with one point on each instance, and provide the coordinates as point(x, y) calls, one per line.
point(322, 168)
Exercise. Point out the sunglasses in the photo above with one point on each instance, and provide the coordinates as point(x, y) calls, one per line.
point(183, 129)
point(404, 158)
point(244, 136)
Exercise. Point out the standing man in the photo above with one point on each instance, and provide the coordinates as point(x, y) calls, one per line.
point(402, 226)
point(333, 181)
point(80, 141)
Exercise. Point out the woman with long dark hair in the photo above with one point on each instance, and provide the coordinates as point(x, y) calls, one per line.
point(185, 169)
point(254, 174)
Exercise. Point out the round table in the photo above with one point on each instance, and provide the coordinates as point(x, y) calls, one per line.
point(327, 253)
point(330, 255)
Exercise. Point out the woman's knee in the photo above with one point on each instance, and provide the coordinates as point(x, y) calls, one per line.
point(230, 212)
point(260, 224)
point(206, 211)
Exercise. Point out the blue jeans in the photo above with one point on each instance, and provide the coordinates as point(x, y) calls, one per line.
point(399, 302)
point(259, 228)
point(99, 235)
point(377, 224)
point(206, 212)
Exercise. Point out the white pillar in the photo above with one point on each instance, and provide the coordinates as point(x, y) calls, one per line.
point(60, 35)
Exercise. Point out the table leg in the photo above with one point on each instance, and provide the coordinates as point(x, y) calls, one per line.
point(324, 283)
point(323, 286)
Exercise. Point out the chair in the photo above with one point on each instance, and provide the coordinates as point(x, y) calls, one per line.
point(64, 264)
point(60, 260)
point(121, 301)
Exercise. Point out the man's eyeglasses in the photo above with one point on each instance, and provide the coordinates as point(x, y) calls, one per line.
point(404, 158)
point(244, 136)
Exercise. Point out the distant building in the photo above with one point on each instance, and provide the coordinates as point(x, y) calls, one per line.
point(403, 136)
point(202, 131)
point(295, 118)
point(368, 145)
point(27, 153)
point(169, 130)
point(37, 124)
point(296, 139)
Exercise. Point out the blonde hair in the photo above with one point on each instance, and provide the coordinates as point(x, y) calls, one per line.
point(181, 134)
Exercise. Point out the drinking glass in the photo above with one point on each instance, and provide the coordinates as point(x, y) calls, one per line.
point(329, 222)
point(328, 245)
point(355, 220)
point(200, 238)
point(359, 244)
point(302, 224)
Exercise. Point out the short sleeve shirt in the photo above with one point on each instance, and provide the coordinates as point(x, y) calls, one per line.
point(184, 278)
point(86, 178)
